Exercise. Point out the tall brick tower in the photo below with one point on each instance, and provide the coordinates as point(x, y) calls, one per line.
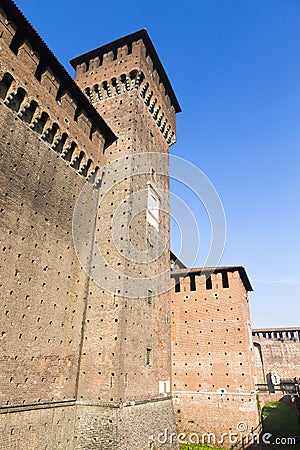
point(125, 369)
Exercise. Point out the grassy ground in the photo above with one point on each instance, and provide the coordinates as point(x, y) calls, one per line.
point(280, 419)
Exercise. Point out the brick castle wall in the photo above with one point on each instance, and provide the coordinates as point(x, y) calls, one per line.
point(74, 356)
point(212, 353)
point(74, 362)
point(276, 350)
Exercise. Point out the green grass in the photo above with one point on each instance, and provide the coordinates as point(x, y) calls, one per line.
point(280, 419)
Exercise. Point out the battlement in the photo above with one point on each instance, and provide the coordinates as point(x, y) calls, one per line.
point(212, 277)
point(35, 86)
point(277, 334)
point(130, 63)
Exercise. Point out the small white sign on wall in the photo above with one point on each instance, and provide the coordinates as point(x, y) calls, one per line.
point(164, 386)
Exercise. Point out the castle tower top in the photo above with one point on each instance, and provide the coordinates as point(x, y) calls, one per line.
point(135, 43)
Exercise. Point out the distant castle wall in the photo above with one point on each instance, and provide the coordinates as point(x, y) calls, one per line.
point(277, 350)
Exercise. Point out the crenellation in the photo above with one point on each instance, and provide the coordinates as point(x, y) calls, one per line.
point(16, 99)
point(217, 281)
point(49, 82)
point(168, 101)
point(28, 56)
point(162, 90)
point(68, 104)
point(94, 63)
point(215, 278)
point(155, 77)
point(8, 30)
point(139, 49)
point(149, 64)
point(144, 59)
point(107, 58)
point(25, 51)
point(84, 123)
point(276, 352)
point(81, 69)
point(97, 139)
point(38, 120)
point(122, 52)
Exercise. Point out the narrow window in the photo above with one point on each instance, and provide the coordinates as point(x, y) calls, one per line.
point(149, 357)
point(153, 172)
point(153, 208)
point(112, 381)
point(150, 297)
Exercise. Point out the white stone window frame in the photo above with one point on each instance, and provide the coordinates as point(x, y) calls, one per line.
point(153, 206)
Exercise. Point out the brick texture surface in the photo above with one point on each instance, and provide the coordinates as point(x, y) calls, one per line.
point(277, 350)
point(74, 366)
point(212, 356)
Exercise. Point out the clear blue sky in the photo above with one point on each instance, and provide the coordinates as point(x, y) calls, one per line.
point(235, 68)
